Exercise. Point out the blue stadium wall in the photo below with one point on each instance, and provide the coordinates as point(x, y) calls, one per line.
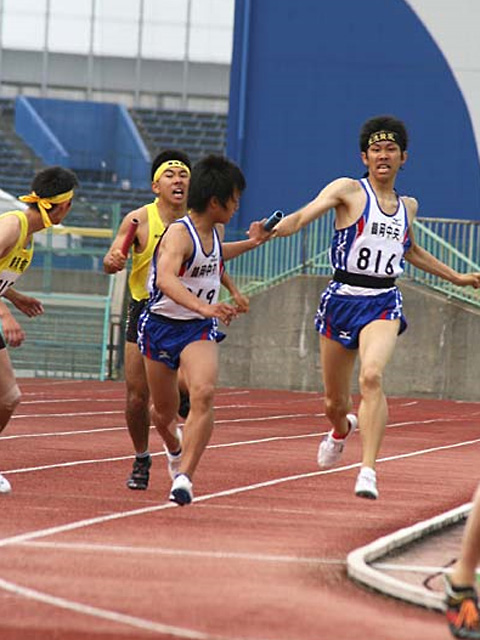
point(307, 73)
point(85, 136)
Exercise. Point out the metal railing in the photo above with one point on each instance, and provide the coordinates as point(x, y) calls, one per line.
point(74, 337)
point(454, 242)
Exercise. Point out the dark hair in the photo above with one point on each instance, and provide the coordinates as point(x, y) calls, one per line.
point(52, 181)
point(383, 123)
point(214, 177)
point(169, 154)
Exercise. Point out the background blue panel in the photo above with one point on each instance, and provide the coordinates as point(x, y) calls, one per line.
point(306, 75)
point(94, 137)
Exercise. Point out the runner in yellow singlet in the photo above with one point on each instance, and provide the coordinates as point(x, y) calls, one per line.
point(170, 174)
point(48, 203)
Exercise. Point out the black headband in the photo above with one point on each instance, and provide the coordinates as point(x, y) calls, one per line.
point(382, 136)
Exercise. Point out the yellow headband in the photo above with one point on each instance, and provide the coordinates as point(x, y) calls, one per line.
point(169, 164)
point(46, 203)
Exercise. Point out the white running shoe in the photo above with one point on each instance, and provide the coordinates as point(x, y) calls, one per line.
point(5, 486)
point(366, 485)
point(182, 490)
point(174, 459)
point(330, 449)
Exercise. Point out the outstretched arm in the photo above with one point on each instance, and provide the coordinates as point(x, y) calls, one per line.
point(332, 196)
point(256, 236)
point(422, 259)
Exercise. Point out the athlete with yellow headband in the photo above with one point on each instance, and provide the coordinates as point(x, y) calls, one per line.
point(170, 174)
point(48, 203)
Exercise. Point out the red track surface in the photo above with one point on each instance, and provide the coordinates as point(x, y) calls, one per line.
point(261, 553)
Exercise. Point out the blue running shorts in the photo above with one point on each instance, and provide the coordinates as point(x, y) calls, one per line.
point(342, 317)
point(163, 339)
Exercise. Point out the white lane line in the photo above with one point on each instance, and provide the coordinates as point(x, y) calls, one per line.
point(215, 555)
point(219, 494)
point(137, 622)
point(270, 418)
point(105, 614)
point(71, 414)
point(72, 400)
point(227, 445)
point(241, 443)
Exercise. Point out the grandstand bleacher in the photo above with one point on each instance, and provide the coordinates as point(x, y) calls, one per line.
point(195, 133)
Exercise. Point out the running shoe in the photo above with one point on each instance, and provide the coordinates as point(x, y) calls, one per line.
point(366, 485)
point(140, 475)
point(182, 490)
point(463, 615)
point(331, 448)
point(174, 459)
point(184, 407)
point(5, 486)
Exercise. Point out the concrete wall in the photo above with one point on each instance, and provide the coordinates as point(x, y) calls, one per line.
point(276, 346)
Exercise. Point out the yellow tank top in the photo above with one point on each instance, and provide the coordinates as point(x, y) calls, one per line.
point(138, 278)
point(19, 258)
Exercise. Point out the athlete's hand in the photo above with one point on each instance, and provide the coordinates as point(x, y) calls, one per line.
point(221, 310)
point(468, 280)
point(13, 333)
point(31, 307)
point(114, 261)
point(242, 303)
point(257, 233)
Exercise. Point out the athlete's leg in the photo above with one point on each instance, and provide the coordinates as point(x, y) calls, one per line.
point(199, 361)
point(9, 391)
point(465, 568)
point(337, 369)
point(461, 596)
point(163, 385)
point(376, 346)
point(137, 413)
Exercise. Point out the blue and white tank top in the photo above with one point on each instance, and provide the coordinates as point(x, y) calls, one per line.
point(200, 274)
point(374, 245)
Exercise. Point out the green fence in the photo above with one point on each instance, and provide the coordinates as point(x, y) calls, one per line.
point(80, 334)
point(454, 242)
point(73, 338)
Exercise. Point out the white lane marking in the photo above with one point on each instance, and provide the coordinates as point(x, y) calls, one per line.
point(215, 555)
point(105, 614)
point(270, 418)
point(59, 465)
point(223, 446)
point(219, 494)
point(67, 415)
point(145, 624)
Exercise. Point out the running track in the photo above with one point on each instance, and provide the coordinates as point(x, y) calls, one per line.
point(261, 553)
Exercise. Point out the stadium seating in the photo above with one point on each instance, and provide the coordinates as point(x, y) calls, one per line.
point(196, 133)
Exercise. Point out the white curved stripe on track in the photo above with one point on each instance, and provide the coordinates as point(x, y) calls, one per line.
point(147, 624)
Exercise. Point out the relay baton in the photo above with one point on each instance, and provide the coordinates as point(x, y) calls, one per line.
point(128, 241)
point(273, 220)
